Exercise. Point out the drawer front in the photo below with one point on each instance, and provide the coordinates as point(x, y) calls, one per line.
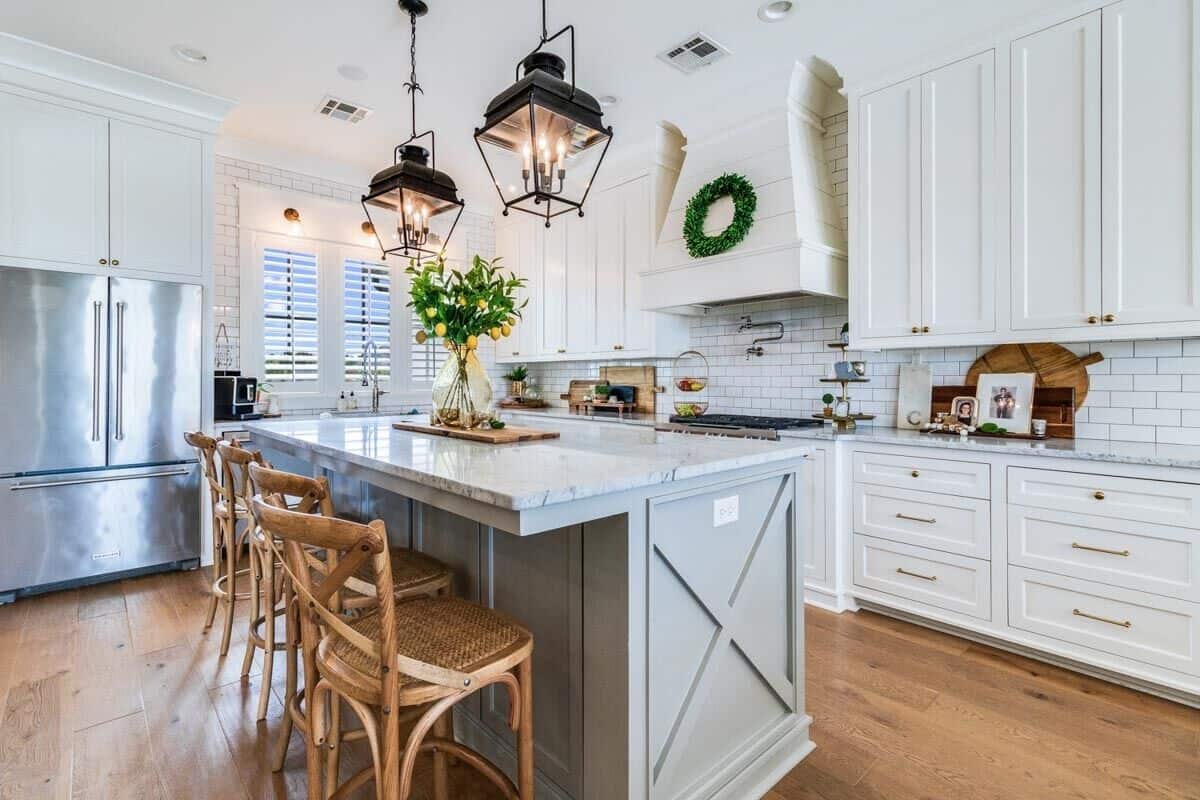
point(1151, 558)
point(940, 521)
point(943, 580)
point(1154, 630)
point(1137, 499)
point(962, 478)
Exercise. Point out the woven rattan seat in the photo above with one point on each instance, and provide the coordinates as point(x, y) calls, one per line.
point(410, 570)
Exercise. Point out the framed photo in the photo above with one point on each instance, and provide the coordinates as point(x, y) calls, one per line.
point(965, 410)
point(1006, 399)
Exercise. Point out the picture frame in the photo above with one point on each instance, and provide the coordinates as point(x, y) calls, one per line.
point(965, 410)
point(1006, 399)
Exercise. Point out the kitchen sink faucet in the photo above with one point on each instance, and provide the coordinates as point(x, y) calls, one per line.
point(370, 367)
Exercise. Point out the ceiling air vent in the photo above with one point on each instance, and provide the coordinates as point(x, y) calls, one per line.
point(697, 51)
point(335, 108)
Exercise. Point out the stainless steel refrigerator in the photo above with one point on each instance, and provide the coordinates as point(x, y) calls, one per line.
point(99, 378)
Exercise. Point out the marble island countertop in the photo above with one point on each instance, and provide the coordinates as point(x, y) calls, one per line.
point(586, 461)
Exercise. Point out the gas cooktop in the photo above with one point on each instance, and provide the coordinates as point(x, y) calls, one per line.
point(747, 421)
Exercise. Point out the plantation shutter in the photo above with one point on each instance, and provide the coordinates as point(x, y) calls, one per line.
point(367, 315)
point(290, 330)
point(427, 358)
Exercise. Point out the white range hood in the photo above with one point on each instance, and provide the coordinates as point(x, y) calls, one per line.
point(796, 245)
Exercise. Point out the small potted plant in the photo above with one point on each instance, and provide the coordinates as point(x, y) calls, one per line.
point(516, 381)
point(602, 391)
point(828, 399)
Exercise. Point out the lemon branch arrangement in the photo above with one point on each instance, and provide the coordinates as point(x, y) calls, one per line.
point(459, 308)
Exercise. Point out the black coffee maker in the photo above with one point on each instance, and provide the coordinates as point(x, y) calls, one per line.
point(233, 396)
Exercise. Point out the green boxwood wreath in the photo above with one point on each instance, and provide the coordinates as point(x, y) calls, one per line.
point(744, 203)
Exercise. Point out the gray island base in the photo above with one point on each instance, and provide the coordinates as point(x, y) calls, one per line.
point(660, 575)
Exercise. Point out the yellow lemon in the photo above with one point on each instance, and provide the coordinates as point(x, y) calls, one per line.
point(505, 329)
point(482, 304)
point(495, 333)
point(512, 321)
point(421, 337)
point(440, 329)
point(462, 301)
point(431, 312)
point(472, 342)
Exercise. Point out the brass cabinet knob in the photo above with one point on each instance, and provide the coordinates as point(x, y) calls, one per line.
point(916, 474)
point(562, 349)
point(116, 261)
point(618, 347)
point(1098, 495)
point(915, 329)
point(516, 352)
point(1092, 320)
point(104, 261)
point(1107, 317)
point(925, 329)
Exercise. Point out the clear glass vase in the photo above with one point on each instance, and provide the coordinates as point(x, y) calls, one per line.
point(462, 392)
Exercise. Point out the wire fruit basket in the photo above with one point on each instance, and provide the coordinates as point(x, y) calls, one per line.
point(690, 377)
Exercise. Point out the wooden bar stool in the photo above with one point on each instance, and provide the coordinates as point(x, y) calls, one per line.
point(424, 655)
point(414, 574)
point(228, 509)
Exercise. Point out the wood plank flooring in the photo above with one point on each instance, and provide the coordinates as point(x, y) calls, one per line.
point(114, 693)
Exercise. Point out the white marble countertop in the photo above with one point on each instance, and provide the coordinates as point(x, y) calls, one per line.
point(586, 461)
point(1143, 453)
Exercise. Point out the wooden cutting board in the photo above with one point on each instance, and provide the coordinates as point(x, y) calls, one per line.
point(1054, 365)
point(509, 434)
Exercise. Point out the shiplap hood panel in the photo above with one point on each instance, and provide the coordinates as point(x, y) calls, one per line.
point(796, 245)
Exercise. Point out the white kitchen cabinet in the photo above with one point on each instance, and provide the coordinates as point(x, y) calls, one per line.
point(608, 280)
point(554, 293)
point(1151, 271)
point(155, 191)
point(885, 279)
point(637, 218)
point(1056, 134)
point(958, 196)
point(516, 246)
point(53, 183)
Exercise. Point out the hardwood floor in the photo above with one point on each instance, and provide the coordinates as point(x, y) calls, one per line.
point(113, 692)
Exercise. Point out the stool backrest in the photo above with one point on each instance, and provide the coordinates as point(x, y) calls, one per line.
point(235, 471)
point(206, 448)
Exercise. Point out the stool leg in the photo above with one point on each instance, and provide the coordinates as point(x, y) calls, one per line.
point(218, 535)
point(291, 626)
point(255, 607)
point(231, 560)
point(266, 563)
point(333, 760)
point(443, 728)
point(525, 732)
point(315, 739)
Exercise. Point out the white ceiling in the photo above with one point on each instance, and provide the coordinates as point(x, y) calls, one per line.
point(278, 58)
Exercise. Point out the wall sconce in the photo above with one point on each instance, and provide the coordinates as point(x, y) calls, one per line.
point(293, 220)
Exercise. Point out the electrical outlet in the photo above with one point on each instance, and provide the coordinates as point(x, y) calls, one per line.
point(725, 511)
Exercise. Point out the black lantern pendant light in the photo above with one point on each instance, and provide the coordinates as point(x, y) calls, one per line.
point(412, 187)
point(541, 137)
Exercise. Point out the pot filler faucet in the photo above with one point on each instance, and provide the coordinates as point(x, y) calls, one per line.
point(755, 348)
point(370, 367)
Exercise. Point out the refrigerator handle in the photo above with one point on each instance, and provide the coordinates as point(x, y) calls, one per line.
point(97, 307)
point(119, 433)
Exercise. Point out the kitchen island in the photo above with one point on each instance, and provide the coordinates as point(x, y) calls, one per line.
point(659, 572)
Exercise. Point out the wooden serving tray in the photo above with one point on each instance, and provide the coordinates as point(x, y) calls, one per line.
point(509, 434)
point(984, 435)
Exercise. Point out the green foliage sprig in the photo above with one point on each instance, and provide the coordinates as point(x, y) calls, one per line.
point(745, 201)
point(460, 307)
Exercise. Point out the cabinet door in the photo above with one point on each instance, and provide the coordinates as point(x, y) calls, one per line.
point(53, 183)
point(156, 190)
point(815, 494)
point(635, 208)
point(1151, 268)
point(553, 290)
point(888, 277)
point(580, 301)
point(608, 331)
point(508, 250)
point(526, 335)
point(958, 264)
point(1056, 176)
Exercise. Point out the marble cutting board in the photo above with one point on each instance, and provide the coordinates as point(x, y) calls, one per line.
point(915, 394)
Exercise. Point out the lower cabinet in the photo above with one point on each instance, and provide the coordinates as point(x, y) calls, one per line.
point(943, 580)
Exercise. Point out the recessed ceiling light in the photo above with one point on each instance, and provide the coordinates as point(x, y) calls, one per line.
point(352, 72)
point(189, 54)
point(607, 100)
point(775, 11)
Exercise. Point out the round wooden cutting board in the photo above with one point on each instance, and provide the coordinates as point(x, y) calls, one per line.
point(1054, 365)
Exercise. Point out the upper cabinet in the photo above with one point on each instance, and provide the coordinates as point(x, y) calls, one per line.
point(53, 183)
point(1059, 203)
point(81, 189)
point(1056, 176)
point(584, 282)
point(925, 261)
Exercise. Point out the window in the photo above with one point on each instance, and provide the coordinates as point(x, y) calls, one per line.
point(290, 325)
point(426, 358)
point(366, 317)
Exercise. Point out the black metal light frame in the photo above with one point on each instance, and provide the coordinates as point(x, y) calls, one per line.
point(418, 180)
point(555, 104)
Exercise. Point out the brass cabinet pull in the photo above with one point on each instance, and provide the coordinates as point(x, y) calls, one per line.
point(915, 329)
point(104, 261)
point(916, 474)
point(925, 329)
point(1098, 495)
point(116, 262)
point(1078, 546)
point(1092, 320)
point(562, 349)
point(903, 571)
point(618, 347)
point(929, 520)
point(516, 352)
point(1110, 317)
point(1119, 623)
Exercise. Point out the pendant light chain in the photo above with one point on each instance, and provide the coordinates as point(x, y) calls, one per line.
point(412, 86)
point(545, 30)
